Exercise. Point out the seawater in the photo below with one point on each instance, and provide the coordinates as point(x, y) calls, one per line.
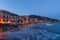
point(38, 31)
point(53, 27)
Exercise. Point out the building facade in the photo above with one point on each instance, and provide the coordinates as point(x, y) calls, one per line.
point(11, 18)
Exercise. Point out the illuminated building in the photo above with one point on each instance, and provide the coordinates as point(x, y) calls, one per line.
point(11, 18)
point(14, 19)
point(8, 17)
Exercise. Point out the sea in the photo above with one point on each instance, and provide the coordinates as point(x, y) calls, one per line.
point(38, 31)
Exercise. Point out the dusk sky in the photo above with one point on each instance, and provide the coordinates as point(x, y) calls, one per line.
point(49, 8)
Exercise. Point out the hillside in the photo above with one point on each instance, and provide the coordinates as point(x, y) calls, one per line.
point(44, 18)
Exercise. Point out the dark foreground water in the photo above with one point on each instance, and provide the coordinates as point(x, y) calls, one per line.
point(39, 31)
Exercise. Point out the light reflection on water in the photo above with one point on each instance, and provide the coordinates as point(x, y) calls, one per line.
point(1, 35)
point(3, 30)
point(27, 33)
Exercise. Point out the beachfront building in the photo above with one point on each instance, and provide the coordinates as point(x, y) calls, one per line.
point(11, 18)
point(8, 17)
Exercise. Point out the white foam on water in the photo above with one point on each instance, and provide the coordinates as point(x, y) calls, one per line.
point(49, 24)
